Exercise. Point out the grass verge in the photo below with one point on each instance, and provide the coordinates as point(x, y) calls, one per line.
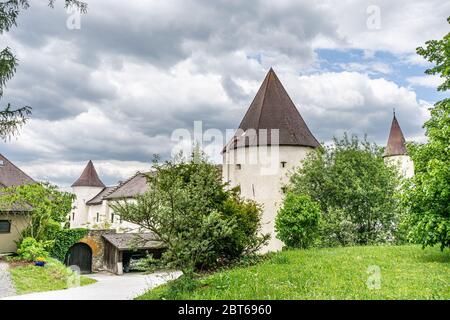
point(371, 272)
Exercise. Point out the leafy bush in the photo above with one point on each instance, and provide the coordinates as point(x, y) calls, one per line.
point(63, 240)
point(201, 223)
point(297, 221)
point(357, 193)
point(30, 249)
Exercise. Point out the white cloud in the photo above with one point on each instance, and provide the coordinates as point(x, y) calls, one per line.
point(425, 81)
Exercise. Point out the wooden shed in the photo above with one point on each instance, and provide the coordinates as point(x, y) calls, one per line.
point(120, 248)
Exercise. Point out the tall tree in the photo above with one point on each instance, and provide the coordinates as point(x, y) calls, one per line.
point(427, 194)
point(12, 118)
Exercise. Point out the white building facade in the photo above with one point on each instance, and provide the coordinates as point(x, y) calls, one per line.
point(271, 141)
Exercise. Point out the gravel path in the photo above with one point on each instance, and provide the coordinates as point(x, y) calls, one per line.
point(108, 287)
point(6, 286)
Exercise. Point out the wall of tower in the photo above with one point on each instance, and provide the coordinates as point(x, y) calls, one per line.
point(261, 174)
point(79, 216)
point(404, 164)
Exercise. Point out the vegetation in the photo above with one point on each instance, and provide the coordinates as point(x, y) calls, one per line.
point(297, 222)
point(63, 240)
point(355, 190)
point(50, 208)
point(53, 276)
point(427, 195)
point(30, 249)
point(405, 272)
point(201, 223)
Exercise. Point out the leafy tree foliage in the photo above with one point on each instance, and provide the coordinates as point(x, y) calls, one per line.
point(427, 194)
point(12, 118)
point(297, 222)
point(49, 207)
point(201, 223)
point(355, 190)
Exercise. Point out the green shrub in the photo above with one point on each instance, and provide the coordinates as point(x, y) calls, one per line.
point(64, 239)
point(297, 221)
point(337, 229)
point(30, 249)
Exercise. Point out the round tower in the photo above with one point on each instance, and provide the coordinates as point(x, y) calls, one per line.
point(271, 140)
point(85, 188)
point(396, 153)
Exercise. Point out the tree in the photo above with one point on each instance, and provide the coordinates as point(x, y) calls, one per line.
point(200, 222)
point(297, 222)
point(12, 118)
point(351, 183)
point(427, 195)
point(49, 208)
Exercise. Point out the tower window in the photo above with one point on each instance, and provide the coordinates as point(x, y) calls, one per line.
point(283, 164)
point(98, 216)
point(112, 217)
point(73, 216)
point(238, 166)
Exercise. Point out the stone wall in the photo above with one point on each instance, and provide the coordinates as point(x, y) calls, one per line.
point(95, 241)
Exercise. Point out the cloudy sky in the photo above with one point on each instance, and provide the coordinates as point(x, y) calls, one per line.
point(114, 89)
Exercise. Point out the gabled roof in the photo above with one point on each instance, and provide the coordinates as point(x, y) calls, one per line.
point(89, 177)
point(396, 141)
point(127, 241)
point(272, 108)
point(134, 186)
point(10, 175)
point(98, 199)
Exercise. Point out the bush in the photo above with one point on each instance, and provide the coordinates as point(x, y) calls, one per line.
point(63, 240)
point(201, 222)
point(357, 193)
point(297, 221)
point(30, 249)
point(337, 229)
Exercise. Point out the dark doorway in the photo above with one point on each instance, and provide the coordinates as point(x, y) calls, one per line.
point(80, 254)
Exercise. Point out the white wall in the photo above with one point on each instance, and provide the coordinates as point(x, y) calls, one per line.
point(83, 194)
point(404, 163)
point(261, 178)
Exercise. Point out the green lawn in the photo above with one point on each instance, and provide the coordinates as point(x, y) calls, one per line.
point(407, 272)
point(54, 276)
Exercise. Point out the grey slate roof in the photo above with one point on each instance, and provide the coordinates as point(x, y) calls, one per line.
point(10, 175)
point(134, 186)
point(396, 141)
point(272, 108)
point(127, 241)
point(98, 199)
point(89, 177)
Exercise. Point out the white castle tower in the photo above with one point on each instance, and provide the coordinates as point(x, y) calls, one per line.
point(271, 140)
point(85, 188)
point(396, 153)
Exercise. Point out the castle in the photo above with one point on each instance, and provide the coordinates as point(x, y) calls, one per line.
point(271, 140)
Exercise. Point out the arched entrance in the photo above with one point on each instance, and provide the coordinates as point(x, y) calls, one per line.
point(80, 254)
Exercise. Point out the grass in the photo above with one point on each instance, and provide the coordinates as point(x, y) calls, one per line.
point(53, 276)
point(407, 272)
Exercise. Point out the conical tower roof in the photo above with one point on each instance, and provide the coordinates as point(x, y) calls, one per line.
point(272, 108)
point(89, 177)
point(396, 141)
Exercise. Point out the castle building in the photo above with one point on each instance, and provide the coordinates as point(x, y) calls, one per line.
point(93, 199)
point(271, 140)
point(395, 152)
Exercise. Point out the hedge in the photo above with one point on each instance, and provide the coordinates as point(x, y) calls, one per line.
point(64, 239)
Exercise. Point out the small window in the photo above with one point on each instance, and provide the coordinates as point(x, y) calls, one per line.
point(238, 166)
point(120, 219)
point(98, 217)
point(283, 164)
point(73, 216)
point(5, 226)
point(284, 190)
point(112, 217)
